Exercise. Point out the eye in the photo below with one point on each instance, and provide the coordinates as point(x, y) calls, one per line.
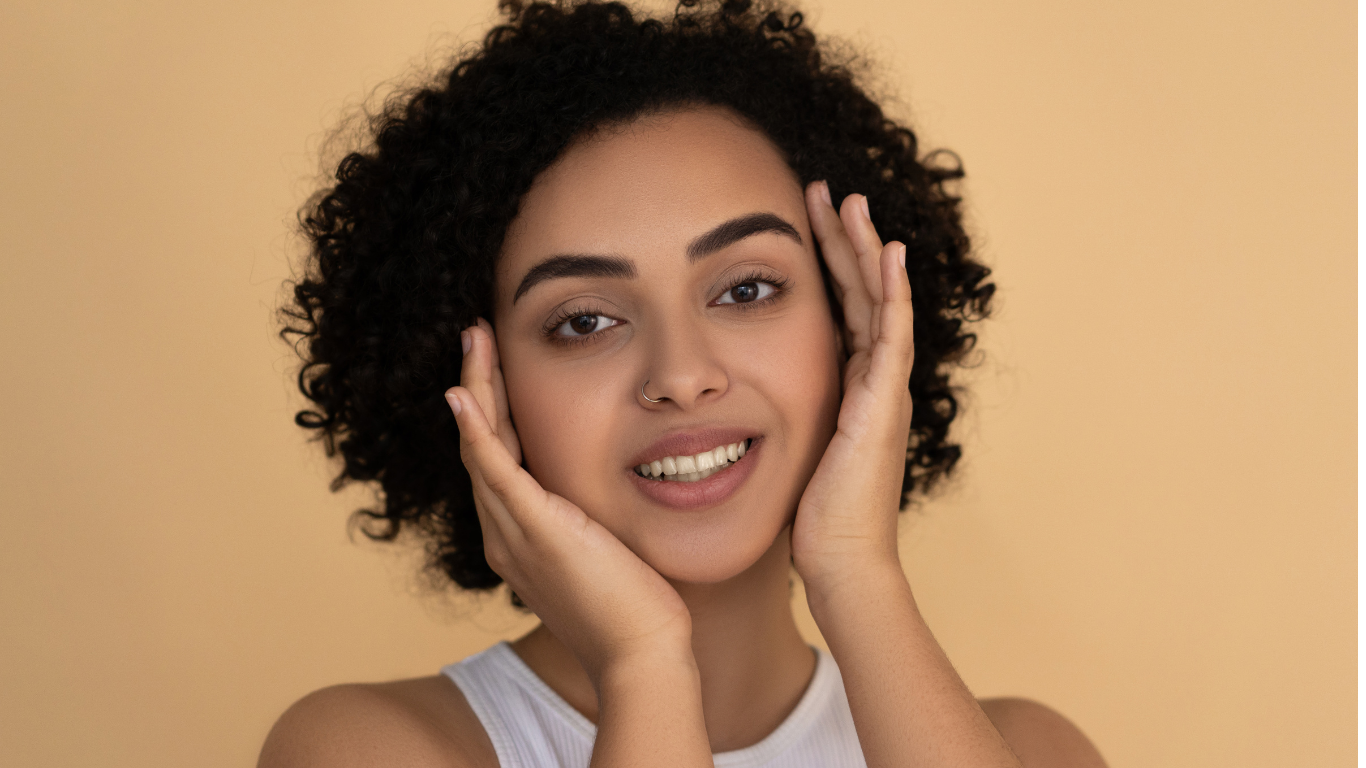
point(746, 292)
point(583, 325)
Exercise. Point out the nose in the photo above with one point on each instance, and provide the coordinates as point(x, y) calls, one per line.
point(683, 368)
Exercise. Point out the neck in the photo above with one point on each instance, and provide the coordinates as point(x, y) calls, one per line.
point(753, 663)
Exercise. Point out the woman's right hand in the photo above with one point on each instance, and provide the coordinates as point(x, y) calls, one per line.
point(597, 597)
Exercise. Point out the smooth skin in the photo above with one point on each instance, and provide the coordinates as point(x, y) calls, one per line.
point(671, 629)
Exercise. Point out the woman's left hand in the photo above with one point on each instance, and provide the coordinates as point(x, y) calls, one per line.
point(847, 519)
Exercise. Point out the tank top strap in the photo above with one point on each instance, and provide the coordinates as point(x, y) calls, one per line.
point(530, 725)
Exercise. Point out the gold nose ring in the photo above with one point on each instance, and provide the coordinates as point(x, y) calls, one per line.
point(647, 397)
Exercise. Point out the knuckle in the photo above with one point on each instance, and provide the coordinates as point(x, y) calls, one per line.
point(471, 466)
point(479, 442)
point(497, 557)
point(906, 356)
point(499, 484)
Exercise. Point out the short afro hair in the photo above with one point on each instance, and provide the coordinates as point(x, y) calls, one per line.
point(403, 244)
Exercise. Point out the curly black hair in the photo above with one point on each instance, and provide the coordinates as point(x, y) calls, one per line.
point(403, 245)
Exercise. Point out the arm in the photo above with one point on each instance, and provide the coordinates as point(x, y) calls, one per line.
point(909, 705)
point(650, 713)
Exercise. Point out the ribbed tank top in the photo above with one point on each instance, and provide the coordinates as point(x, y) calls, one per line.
point(532, 727)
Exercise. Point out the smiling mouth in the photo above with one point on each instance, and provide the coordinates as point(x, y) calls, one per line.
point(690, 469)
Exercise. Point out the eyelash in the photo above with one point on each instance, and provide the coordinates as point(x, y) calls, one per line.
point(754, 276)
point(758, 276)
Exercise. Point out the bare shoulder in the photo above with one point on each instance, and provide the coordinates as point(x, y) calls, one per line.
point(424, 722)
point(1040, 736)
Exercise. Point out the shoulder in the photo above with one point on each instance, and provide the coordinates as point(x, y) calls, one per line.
point(1040, 736)
point(424, 722)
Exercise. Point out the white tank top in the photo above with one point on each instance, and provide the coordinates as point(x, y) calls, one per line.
point(532, 727)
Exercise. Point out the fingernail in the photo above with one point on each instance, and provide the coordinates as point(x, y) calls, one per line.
point(825, 194)
point(454, 403)
point(465, 341)
point(863, 201)
point(901, 255)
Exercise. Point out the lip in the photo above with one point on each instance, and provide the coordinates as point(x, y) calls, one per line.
point(702, 493)
point(692, 442)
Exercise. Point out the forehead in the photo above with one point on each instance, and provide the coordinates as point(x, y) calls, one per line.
point(648, 188)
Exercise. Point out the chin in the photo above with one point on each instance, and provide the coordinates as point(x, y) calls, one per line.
point(708, 554)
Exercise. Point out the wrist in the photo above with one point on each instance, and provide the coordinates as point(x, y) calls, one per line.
point(855, 587)
point(849, 572)
point(650, 711)
point(645, 670)
point(837, 548)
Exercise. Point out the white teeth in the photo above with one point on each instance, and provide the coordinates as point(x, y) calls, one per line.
point(695, 467)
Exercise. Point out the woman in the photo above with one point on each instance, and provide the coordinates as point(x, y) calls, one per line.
point(682, 372)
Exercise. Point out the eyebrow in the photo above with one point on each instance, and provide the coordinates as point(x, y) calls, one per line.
point(738, 229)
point(575, 266)
point(720, 236)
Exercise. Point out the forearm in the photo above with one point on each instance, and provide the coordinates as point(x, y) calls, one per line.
point(650, 714)
point(909, 705)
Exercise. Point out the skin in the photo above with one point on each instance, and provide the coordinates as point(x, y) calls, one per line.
point(671, 628)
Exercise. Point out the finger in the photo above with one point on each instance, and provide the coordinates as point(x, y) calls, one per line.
point(502, 417)
point(485, 499)
point(476, 370)
point(867, 245)
point(842, 261)
point(479, 373)
point(894, 352)
point(490, 465)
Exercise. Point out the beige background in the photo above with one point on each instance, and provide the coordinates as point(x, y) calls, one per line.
point(1153, 528)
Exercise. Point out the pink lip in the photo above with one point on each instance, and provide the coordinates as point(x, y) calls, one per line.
point(703, 493)
point(692, 442)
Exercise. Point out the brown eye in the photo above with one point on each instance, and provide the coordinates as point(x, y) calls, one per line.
point(584, 325)
point(747, 292)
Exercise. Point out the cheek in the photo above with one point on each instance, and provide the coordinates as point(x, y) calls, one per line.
point(564, 424)
point(797, 366)
point(820, 389)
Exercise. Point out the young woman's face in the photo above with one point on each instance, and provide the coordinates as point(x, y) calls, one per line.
point(675, 249)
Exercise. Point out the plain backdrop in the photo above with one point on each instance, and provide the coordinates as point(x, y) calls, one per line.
point(1153, 526)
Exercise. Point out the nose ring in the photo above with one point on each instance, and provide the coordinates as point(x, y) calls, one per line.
point(647, 397)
